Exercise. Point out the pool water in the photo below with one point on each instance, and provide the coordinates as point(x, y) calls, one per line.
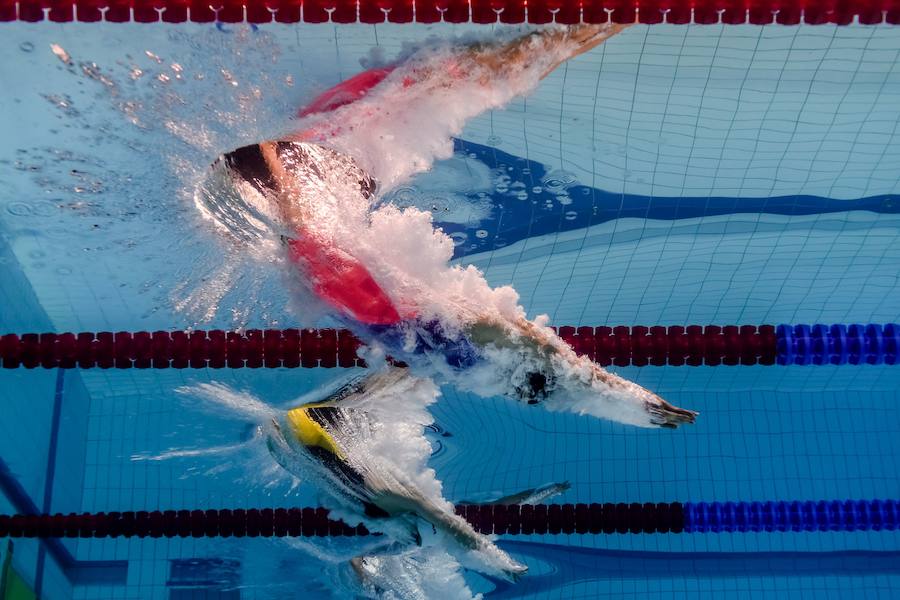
point(673, 176)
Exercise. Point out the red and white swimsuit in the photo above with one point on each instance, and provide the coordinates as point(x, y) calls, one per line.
point(337, 277)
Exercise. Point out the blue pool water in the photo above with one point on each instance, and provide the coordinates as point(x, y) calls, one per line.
point(675, 176)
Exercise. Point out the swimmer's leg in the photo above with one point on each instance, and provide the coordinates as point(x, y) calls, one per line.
point(479, 552)
point(535, 495)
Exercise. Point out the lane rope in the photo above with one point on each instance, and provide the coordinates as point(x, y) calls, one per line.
point(540, 519)
point(694, 345)
point(730, 12)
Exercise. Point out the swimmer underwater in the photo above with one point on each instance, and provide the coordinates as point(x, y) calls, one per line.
point(331, 442)
point(362, 446)
point(495, 353)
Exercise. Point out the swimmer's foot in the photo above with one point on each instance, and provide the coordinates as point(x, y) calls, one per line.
point(668, 416)
point(587, 34)
point(514, 575)
point(587, 37)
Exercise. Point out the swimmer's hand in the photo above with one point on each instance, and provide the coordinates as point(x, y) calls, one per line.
point(667, 415)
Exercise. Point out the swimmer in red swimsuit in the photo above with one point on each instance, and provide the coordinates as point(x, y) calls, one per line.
point(536, 364)
point(336, 277)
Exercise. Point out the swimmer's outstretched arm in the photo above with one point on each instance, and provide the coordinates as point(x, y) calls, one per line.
point(606, 388)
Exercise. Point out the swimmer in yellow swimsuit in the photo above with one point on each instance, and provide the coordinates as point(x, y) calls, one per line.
point(329, 441)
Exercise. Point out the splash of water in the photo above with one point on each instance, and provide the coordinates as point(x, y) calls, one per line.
point(414, 575)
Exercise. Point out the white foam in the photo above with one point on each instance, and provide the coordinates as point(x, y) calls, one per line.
point(400, 129)
point(419, 574)
point(231, 402)
point(410, 260)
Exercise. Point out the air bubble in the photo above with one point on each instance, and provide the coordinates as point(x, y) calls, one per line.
point(43, 209)
point(19, 209)
point(557, 181)
point(227, 76)
point(459, 238)
point(26, 47)
point(404, 196)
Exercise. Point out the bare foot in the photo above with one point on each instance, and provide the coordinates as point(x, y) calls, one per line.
point(590, 36)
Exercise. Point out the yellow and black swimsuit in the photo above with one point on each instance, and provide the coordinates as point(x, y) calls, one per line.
point(309, 425)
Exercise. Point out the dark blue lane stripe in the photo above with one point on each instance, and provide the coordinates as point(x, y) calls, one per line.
point(572, 563)
point(54, 441)
point(541, 212)
point(49, 476)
